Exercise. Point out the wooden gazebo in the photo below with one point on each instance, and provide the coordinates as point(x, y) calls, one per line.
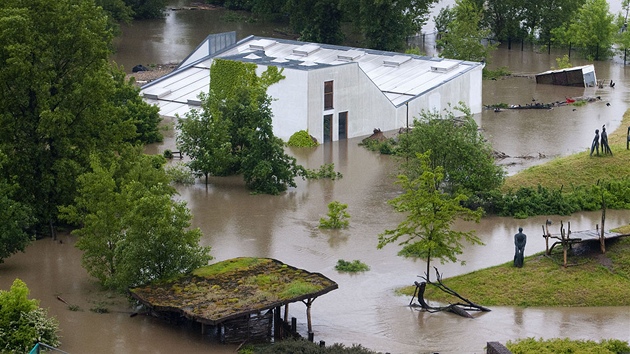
point(241, 298)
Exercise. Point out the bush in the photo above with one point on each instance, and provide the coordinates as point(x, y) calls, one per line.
point(556, 345)
point(168, 154)
point(351, 267)
point(180, 174)
point(325, 171)
point(23, 323)
point(302, 139)
point(300, 346)
point(337, 216)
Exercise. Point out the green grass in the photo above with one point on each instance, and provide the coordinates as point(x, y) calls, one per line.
point(579, 169)
point(543, 281)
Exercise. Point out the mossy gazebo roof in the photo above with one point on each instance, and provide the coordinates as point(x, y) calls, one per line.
point(232, 289)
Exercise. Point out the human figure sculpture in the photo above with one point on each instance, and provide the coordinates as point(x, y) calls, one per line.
point(520, 239)
point(595, 144)
point(604, 142)
point(628, 139)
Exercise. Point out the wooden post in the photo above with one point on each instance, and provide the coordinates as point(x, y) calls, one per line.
point(286, 313)
point(602, 239)
point(277, 325)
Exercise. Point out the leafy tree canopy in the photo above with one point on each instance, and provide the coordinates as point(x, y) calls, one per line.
point(61, 100)
point(22, 322)
point(233, 132)
point(464, 37)
point(457, 147)
point(592, 29)
point(426, 231)
point(131, 230)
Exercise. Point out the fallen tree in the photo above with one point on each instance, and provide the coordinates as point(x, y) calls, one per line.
point(459, 308)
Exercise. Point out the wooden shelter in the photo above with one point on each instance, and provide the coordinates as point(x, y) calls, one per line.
point(579, 76)
point(241, 298)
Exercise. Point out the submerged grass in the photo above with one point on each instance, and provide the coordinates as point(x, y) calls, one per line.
point(592, 279)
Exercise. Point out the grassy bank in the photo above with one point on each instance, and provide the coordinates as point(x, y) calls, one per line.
point(581, 168)
point(592, 279)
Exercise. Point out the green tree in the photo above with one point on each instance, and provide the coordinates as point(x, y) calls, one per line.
point(237, 115)
point(504, 18)
point(337, 216)
point(23, 323)
point(458, 147)
point(541, 18)
point(387, 24)
point(60, 99)
point(15, 219)
point(592, 29)
point(316, 20)
point(205, 138)
point(146, 9)
point(426, 231)
point(124, 210)
point(464, 36)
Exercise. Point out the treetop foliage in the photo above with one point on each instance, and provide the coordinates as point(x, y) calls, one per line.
point(61, 101)
point(22, 322)
point(426, 231)
point(233, 132)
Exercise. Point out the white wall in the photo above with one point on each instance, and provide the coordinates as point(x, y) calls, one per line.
point(289, 104)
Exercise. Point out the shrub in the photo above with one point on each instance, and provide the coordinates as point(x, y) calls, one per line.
point(302, 139)
point(22, 322)
point(337, 216)
point(180, 174)
point(325, 171)
point(351, 267)
point(168, 154)
point(556, 345)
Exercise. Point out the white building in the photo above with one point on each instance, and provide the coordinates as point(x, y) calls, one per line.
point(333, 92)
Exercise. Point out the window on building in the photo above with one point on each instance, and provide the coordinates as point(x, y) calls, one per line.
point(328, 95)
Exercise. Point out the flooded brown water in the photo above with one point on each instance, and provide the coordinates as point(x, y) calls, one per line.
point(364, 309)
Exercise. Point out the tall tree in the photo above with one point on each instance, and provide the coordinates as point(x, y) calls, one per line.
point(237, 115)
point(592, 29)
point(426, 231)
point(457, 147)
point(386, 24)
point(464, 38)
point(316, 20)
point(15, 219)
point(60, 99)
point(504, 18)
point(130, 228)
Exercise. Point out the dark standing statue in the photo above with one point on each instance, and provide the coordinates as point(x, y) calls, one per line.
point(604, 142)
point(595, 145)
point(520, 239)
point(628, 139)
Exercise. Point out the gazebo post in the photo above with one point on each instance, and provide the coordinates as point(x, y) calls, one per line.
point(286, 312)
point(308, 304)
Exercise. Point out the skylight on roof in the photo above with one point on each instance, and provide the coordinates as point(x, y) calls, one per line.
point(396, 60)
point(252, 57)
point(350, 55)
point(306, 50)
point(443, 66)
point(261, 44)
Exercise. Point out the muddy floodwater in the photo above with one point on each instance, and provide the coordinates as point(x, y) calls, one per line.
point(364, 309)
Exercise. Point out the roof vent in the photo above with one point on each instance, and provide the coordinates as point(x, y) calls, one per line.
point(396, 60)
point(261, 44)
point(252, 57)
point(157, 94)
point(443, 66)
point(350, 55)
point(306, 50)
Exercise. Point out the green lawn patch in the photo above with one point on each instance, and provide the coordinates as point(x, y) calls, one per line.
point(592, 279)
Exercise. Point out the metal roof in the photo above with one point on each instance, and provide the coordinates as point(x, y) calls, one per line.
point(401, 77)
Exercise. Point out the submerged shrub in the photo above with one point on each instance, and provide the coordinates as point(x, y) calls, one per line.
point(351, 267)
point(302, 139)
point(337, 216)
